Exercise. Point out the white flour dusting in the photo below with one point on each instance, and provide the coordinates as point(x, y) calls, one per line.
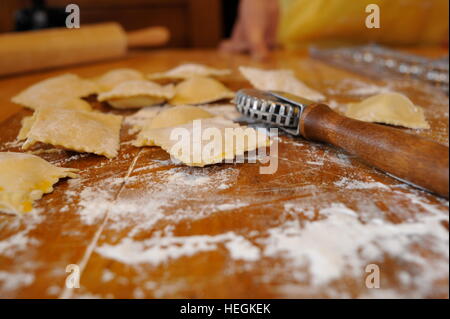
point(332, 244)
point(16, 243)
point(11, 144)
point(152, 202)
point(13, 281)
point(355, 184)
point(341, 245)
point(163, 249)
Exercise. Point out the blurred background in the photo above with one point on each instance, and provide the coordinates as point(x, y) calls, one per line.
point(192, 23)
point(254, 27)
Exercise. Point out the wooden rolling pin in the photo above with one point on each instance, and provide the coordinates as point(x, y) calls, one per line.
point(37, 50)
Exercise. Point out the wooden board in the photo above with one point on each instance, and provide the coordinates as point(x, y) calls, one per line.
point(140, 226)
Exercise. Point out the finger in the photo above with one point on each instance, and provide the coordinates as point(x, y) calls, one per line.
point(254, 22)
point(273, 17)
point(233, 46)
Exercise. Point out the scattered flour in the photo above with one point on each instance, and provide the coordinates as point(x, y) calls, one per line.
point(151, 203)
point(14, 247)
point(355, 184)
point(341, 245)
point(107, 275)
point(13, 281)
point(160, 250)
point(11, 144)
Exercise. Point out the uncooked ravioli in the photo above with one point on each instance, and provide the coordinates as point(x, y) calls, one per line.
point(60, 91)
point(24, 178)
point(389, 108)
point(279, 80)
point(82, 131)
point(111, 79)
point(169, 117)
point(200, 90)
point(27, 123)
point(137, 94)
point(231, 141)
point(188, 70)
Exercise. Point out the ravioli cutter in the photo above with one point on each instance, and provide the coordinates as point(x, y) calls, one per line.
point(409, 158)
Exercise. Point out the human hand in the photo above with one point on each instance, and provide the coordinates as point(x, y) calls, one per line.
point(255, 30)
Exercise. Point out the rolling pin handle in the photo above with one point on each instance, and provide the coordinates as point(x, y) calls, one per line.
point(148, 37)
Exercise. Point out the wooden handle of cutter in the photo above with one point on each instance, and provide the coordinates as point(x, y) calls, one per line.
point(406, 156)
point(148, 37)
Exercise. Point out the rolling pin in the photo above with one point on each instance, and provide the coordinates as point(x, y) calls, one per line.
point(37, 50)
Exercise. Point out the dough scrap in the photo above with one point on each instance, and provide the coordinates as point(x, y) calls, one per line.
point(60, 91)
point(170, 117)
point(279, 80)
point(174, 116)
point(81, 131)
point(200, 90)
point(136, 94)
point(27, 123)
point(25, 178)
point(75, 104)
point(389, 108)
point(209, 151)
point(140, 119)
point(189, 70)
point(111, 79)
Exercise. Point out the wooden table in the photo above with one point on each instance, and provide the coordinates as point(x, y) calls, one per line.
point(140, 226)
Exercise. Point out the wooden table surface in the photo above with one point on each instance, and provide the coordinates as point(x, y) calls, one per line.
point(140, 226)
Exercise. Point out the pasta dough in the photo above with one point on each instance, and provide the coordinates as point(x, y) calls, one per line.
point(24, 178)
point(178, 115)
point(27, 123)
point(231, 141)
point(111, 79)
point(135, 94)
point(389, 108)
point(188, 70)
point(81, 131)
point(200, 90)
point(74, 104)
point(170, 117)
point(61, 91)
point(279, 80)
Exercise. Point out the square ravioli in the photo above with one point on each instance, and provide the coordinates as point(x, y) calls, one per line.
point(25, 178)
point(205, 141)
point(200, 90)
point(81, 131)
point(389, 108)
point(279, 80)
point(135, 94)
point(113, 78)
point(188, 70)
point(60, 91)
point(169, 117)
